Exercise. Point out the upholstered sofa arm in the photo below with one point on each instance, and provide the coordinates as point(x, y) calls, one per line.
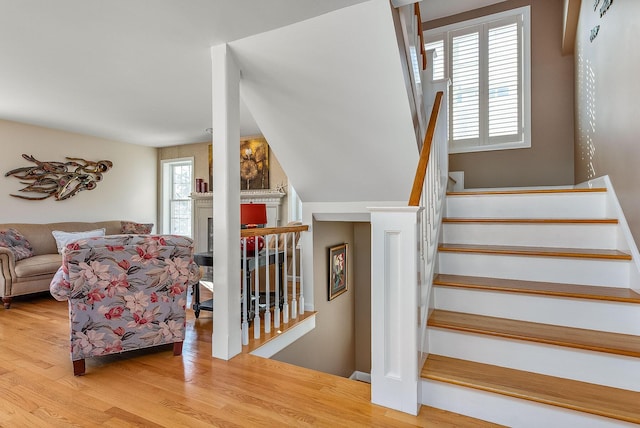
point(7, 270)
point(60, 287)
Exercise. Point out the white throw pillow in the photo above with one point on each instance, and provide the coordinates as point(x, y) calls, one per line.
point(64, 238)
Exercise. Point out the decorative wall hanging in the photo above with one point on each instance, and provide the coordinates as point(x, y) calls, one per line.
point(337, 271)
point(61, 180)
point(594, 33)
point(605, 7)
point(254, 164)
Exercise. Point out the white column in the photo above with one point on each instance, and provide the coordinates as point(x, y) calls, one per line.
point(226, 337)
point(394, 308)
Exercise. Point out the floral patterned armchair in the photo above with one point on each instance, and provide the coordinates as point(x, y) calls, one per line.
point(125, 292)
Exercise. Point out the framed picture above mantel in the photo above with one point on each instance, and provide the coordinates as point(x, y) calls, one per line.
point(254, 163)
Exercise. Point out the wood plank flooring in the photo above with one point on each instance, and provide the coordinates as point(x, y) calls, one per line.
point(585, 397)
point(152, 388)
point(601, 341)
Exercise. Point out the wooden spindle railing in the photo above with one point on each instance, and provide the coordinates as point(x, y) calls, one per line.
point(421, 172)
point(257, 302)
point(416, 8)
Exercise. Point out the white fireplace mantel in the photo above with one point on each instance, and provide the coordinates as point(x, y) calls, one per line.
point(203, 211)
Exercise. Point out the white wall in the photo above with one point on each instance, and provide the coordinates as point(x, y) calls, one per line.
point(127, 191)
point(607, 108)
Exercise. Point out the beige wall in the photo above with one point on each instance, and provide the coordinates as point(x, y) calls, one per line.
point(341, 342)
point(362, 281)
point(200, 151)
point(549, 161)
point(607, 102)
point(126, 192)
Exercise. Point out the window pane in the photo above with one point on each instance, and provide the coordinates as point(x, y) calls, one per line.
point(503, 80)
point(180, 217)
point(465, 88)
point(438, 60)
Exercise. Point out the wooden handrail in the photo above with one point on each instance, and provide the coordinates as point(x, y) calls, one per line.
point(422, 49)
point(262, 231)
point(421, 171)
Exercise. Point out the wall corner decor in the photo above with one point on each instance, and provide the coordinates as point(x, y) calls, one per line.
point(61, 180)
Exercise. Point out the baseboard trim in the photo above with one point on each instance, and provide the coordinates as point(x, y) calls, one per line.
point(361, 376)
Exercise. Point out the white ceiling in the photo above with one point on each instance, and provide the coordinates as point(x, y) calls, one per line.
point(135, 71)
point(434, 9)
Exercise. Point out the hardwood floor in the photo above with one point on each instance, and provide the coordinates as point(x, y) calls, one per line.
point(152, 388)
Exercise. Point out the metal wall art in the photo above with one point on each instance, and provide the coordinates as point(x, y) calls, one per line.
point(61, 180)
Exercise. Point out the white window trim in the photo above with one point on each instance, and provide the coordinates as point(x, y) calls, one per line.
point(165, 184)
point(525, 11)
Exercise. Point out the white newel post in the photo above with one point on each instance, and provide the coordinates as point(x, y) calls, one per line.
point(226, 336)
point(394, 307)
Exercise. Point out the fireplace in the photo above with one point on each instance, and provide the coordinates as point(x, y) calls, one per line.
point(210, 234)
point(203, 213)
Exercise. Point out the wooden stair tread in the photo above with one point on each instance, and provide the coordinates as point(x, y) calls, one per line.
point(526, 191)
point(592, 340)
point(536, 251)
point(613, 294)
point(570, 394)
point(532, 220)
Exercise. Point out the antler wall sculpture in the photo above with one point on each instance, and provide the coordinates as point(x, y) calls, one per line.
point(61, 180)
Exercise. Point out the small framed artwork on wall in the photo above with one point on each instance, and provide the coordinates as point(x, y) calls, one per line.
point(337, 270)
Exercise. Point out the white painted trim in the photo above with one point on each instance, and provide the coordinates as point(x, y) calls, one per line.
point(394, 323)
point(226, 339)
point(285, 339)
point(625, 241)
point(361, 376)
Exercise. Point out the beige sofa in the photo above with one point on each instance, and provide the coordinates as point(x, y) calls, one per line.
point(34, 274)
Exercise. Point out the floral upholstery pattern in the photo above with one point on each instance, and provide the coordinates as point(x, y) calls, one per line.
point(16, 242)
point(125, 291)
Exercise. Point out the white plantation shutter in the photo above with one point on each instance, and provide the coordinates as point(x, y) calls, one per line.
point(438, 60)
point(488, 61)
point(503, 81)
point(465, 92)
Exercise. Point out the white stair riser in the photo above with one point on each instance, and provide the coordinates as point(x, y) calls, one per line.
point(508, 411)
point(555, 205)
point(612, 273)
point(616, 317)
point(617, 371)
point(601, 236)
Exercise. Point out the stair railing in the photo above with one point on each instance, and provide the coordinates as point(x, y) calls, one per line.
point(403, 258)
point(269, 299)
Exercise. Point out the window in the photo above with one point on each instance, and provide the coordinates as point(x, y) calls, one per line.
point(488, 61)
point(177, 185)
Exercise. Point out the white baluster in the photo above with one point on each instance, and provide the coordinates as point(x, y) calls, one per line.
point(245, 322)
point(276, 311)
point(256, 301)
point(294, 307)
point(301, 300)
point(285, 306)
point(267, 312)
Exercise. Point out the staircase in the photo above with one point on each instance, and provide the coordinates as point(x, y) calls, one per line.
point(534, 321)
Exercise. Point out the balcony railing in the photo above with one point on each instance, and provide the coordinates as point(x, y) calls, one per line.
point(271, 280)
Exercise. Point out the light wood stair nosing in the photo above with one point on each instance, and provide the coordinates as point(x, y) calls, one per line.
point(580, 253)
point(577, 291)
point(527, 191)
point(568, 337)
point(481, 220)
point(585, 397)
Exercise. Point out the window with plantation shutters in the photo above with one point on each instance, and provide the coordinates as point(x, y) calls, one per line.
point(487, 61)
